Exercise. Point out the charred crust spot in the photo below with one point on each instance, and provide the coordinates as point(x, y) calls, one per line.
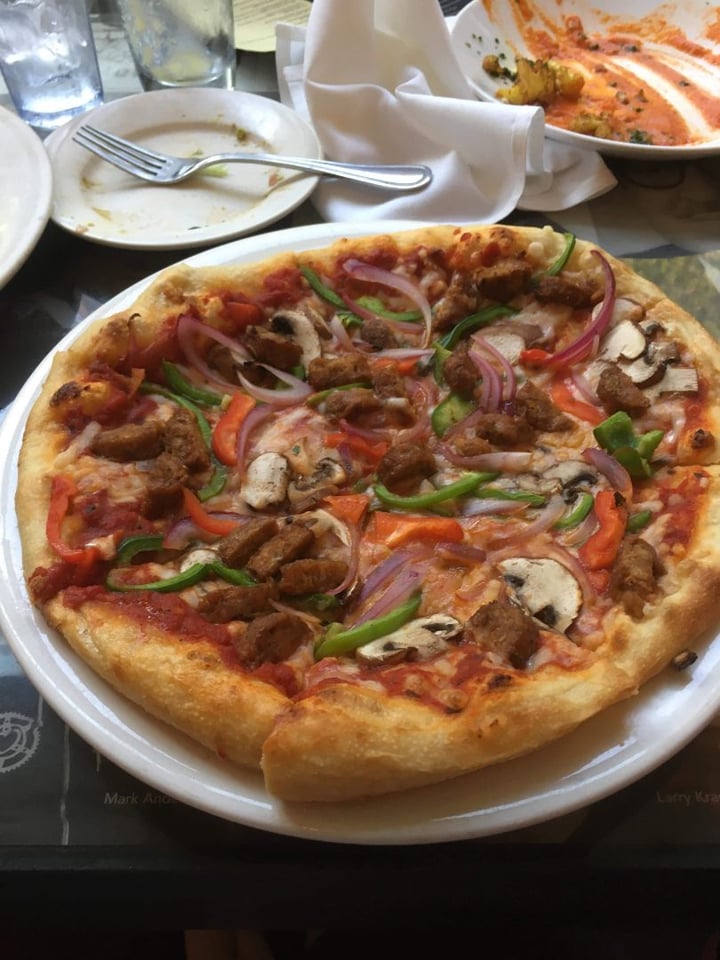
point(701, 439)
point(684, 659)
point(499, 681)
point(68, 391)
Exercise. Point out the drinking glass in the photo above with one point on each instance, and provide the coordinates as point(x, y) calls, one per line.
point(181, 43)
point(48, 60)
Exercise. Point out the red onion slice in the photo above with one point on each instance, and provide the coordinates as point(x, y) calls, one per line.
point(366, 271)
point(547, 518)
point(253, 419)
point(615, 472)
point(580, 348)
point(491, 392)
point(510, 386)
point(399, 590)
point(299, 390)
point(502, 460)
point(187, 327)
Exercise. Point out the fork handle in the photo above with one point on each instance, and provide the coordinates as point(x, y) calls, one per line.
point(388, 176)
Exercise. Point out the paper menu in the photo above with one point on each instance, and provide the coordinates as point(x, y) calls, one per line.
point(255, 21)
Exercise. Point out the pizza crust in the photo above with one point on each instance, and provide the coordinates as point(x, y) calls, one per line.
point(185, 683)
point(347, 741)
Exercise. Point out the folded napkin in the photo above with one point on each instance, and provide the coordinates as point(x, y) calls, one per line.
point(380, 83)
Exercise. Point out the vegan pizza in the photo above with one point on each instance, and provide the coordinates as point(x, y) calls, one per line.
point(377, 515)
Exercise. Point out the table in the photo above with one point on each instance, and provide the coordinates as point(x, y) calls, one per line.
point(76, 829)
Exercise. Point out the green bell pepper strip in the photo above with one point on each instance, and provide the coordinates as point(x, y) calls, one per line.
point(422, 501)
point(142, 543)
point(315, 399)
point(638, 520)
point(219, 475)
point(449, 412)
point(321, 289)
point(439, 357)
point(555, 268)
point(480, 319)
point(494, 493)
point(184, 388)
point(618, 437)
point(338, 642)
point(377, 307)
point(578, 513)
point(187, 578)
point(240, 578)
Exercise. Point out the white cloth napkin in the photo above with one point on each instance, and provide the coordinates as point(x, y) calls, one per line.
point(380, 83)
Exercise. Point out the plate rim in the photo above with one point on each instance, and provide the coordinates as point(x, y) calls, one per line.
point(294, 193)
point(36, 201)
point(170, 762)
point(612, 148)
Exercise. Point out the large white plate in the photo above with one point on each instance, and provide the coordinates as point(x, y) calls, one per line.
point(607, 753)
point(25, 192)
point(99, 202)
point(490, 26)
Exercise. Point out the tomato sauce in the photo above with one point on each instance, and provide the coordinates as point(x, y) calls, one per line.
point(646, 80)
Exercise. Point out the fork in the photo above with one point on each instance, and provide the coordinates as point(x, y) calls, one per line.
point(162, 168)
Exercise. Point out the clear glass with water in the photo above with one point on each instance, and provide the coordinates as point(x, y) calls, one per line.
point(181, 43)
point(48, 60)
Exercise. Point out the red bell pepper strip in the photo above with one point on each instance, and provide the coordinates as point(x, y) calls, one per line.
point(205, 520)
point(395, 529)
point(563, 398)
point(62, 491)
point(358, 445)
point(224, 437)
point(600, 550)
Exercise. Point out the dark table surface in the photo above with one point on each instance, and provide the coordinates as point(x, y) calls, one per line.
point(76, 828)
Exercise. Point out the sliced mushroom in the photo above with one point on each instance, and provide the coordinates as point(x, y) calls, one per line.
point(644, 371)
point(676, 380)
point(292, 323)
point(266, 480)
point(625, 309)
point(545, 588)
point(625, 339)
point(328, 476)
point(420, 639)
point(573, 476)
point(200, 555)
point(509, 344)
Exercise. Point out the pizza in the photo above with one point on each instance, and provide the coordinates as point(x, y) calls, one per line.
point(381, 514)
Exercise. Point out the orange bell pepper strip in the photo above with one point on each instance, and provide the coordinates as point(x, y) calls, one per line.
point(599, 551)
point(199, 515)
point(358, 445)
point(348, 507)
point(535, 356)
point(563, 398)
point(62, 490)
point(394, 529)
point(243, 314)
point(224, 436)
point(404, 365)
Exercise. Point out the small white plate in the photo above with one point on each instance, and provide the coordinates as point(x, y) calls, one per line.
point(95, 200)
point(25, 192)
point(494, 27)
point(604, 755)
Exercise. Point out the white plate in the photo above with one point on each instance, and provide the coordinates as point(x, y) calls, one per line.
point(491, 26)
point(25, 192)
point(99, 202)
point(607, 753)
